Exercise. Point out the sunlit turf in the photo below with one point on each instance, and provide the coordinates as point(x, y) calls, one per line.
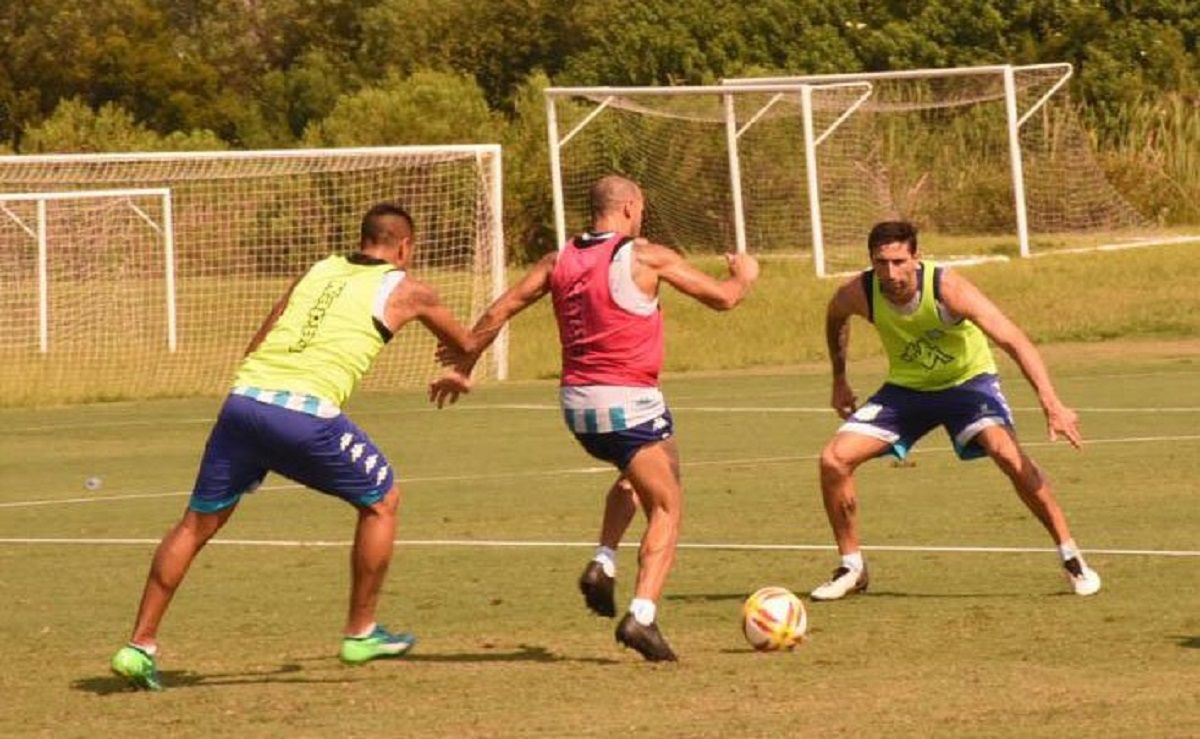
point(972, 643)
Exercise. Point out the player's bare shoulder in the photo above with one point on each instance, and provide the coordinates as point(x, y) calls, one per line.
point(646, 253)
point(961, 296)
point(850, 299)
point(408, 300)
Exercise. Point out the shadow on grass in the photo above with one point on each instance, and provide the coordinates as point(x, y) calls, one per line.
point(285, 674)
point(947, 596)
point(1188, 642)
point(109, 684)
point(523, 653)
point(719, 597)
point(706, 597)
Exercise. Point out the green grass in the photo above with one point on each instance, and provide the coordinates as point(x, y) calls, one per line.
point(1145, 293)
point(1149, 293)
point(946, 643)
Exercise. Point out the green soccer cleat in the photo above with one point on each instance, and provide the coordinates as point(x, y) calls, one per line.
point(379, 644)
point(137, 667)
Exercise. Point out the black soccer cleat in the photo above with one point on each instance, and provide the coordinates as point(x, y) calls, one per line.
point(647, 640)
point(597, 588)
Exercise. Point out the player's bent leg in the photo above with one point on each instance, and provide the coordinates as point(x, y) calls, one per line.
point(598, 581)
point(374, 539)
point(172, 559)
point(174, 555)
point(844, 453)
point(654, 473)
point(1036, 492)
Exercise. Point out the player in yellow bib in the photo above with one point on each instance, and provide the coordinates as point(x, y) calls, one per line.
point(935, 327)
point(283, 415)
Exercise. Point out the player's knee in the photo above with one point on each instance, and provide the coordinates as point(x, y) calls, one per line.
point(1012, 462)
point(388, 504)
point(203, 526)
point(833, 464)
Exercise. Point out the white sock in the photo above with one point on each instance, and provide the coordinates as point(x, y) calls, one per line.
point(853, 561)
point(1067, 550)
point(643, 610)
point(607, 558)
point(365, 633)
point(150, 649)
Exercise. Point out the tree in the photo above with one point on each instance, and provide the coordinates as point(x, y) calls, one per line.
point(76, 128)
point(426, 108)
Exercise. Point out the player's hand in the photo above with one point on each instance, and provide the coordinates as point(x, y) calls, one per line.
point(843, 399)
point(743, 266)
point(448, 356)
point(1063, 420)
point(448, 387)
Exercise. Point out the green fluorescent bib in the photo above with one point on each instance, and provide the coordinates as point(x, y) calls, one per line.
point(924, 353)
point(326, 338)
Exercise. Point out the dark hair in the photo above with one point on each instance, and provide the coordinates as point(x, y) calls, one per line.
point(889, 232)
point(374, 224)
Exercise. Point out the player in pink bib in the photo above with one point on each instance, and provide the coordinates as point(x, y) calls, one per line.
point(604, 284)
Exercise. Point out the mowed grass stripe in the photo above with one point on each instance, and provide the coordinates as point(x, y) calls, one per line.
point(593, 470)
point(548, 407)
point(502, 543)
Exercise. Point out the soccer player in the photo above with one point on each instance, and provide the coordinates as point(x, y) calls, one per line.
point(604, 284)
point(283, 415)
point(934, 326)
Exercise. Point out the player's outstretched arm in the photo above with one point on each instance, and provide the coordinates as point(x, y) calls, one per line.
point(414, 299)
point(849, 300)
point(523, 293)
point(672, 268)
point(967, 301)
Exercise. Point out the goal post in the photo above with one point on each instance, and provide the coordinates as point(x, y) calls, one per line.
point(38, 229)
point(989, 161)
point(99, 242)
point(707, 157)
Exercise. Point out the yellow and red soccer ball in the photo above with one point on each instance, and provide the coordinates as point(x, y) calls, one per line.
point(773, 618)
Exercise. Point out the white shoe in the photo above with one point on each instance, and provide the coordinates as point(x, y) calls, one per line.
point(843, 582)
point(1084, 580)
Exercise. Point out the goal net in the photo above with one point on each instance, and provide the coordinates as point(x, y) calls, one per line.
point(133, 275)
point(989, 162)
point(704, 157)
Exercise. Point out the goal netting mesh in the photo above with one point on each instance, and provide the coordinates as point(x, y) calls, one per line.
point(934, 150)
point(86, 306)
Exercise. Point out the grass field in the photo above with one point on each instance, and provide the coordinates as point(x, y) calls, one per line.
point(501, 508)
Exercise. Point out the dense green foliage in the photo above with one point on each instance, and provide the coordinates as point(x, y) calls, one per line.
point(138, 74)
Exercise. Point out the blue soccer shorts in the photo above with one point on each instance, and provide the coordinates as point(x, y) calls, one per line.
point(251, 438)
point(901, 416)
point(618, 447)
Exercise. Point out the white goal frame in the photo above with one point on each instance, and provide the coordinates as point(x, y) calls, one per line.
point(1014, 119)
point(237, 226)
point(40, 233)
point(733, 132)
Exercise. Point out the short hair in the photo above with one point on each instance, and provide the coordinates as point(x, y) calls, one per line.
point(374, 228)
point(889, 232)
point(611, 192)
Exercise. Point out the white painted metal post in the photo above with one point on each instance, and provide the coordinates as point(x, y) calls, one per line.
point(560, 217)
point(735, 174)
point(43, 281)
point(168, 229)
point(1014, 153)
point(500, 347)
point(814, 187)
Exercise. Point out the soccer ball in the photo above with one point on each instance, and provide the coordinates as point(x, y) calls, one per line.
point(773, 619)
